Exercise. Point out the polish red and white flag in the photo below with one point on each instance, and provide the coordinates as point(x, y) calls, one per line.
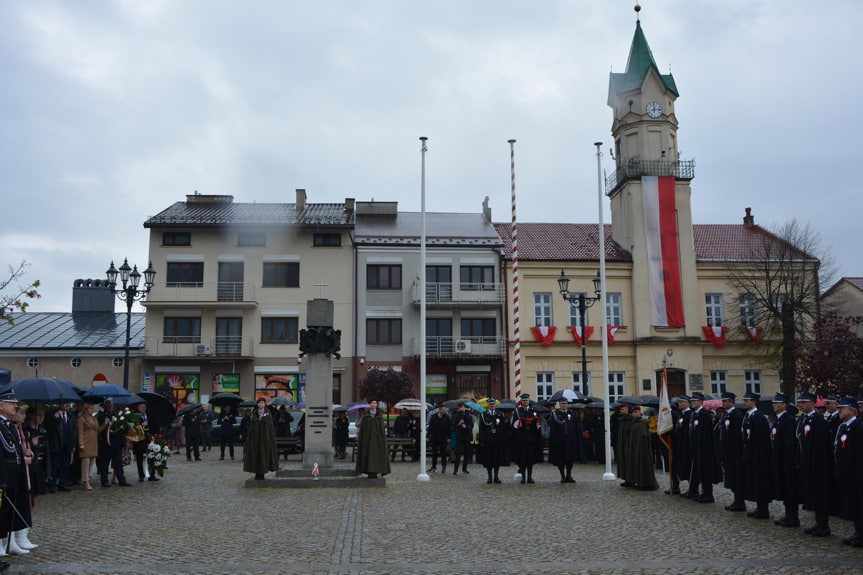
point(663, 254)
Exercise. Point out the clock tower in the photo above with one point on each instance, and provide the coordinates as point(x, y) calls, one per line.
point(650, 197)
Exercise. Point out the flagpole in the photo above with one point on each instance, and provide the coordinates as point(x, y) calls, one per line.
point(515, 302)
point(608, 475)
point(422, 475)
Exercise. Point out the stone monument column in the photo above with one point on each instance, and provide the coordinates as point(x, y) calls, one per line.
point(318, 344)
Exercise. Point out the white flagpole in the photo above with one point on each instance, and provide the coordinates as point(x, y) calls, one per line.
point(608, 475)
point(423, 476)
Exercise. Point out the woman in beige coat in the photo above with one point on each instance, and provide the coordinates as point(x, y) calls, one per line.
point(88, 443)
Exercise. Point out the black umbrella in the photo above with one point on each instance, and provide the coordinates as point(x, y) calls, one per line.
point(106, 391)
point(128, 400)
point(505, 406)
point(45, 389)
point(187, 408)
point(596, 403)
point(248, 403)
point(226, 398)
point(160, 411)
point(630, 400)
point(539, 408)
point(649, 400)
point(569, 395)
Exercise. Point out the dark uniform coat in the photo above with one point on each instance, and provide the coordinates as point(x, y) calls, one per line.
point(640, 464)
point(848, 454)
point(527, 436)
point(261, 453)
point(682, 455)
point(494, 438)
point(815, 450)
point(623, 430)
point(833, 423)
point(757, 478)
point(705, 459)
point(372, 445)
point(731, 448)
point(783, 437)
point(564, 440)
point(463, 434)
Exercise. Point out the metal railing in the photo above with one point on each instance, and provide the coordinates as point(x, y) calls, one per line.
point(203, 292)
point(632, 169)
point(460, 346)
point(456, 294)
point(201, 347)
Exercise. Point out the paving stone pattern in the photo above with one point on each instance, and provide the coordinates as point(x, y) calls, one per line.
point(201, 519)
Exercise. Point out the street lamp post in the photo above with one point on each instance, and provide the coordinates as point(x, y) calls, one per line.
point(129, 293)
point(581, 302)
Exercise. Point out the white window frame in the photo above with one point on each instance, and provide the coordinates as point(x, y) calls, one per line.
point(576, 382)
point(542, 309)
point(544, 385)
point(713, 306)
point(614, 308)
point(752, 380)
point(616, 385)
point(718, 381)
point(574, 319)
point(748, 310)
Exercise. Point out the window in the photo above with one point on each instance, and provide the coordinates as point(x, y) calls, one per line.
point(75, 362)
point(542, 309)
point(476, 278)
point(748, 310)
point(479, 328)
point(718, 381)
point(176, 239)
point(384, 276)
point(327, 240)
point(230, 281)
point(713, 307)
point(32, 362)
point(574, 315)
point(616, 385)
point(247, 239)
point(182, 330)
point(229, 335)
point(613, 309)
point(185, 274)
point(383, 331)
point(576, 383)
point(777, 300)
point(438, 283)
point(752, 381)
point(117, 362)
point(281, 274)
point(279, 329)
point(544, 385)
point(439, 335)
point(337, 388)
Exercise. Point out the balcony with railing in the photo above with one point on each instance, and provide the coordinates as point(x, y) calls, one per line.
point(634, 169)
point(448, 346)
point(220, 294)
point(460, 294)
point(199, 347)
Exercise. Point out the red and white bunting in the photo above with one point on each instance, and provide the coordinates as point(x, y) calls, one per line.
point(610, 331)
point(544, 334)
point(755, 334)
point(576, 332)
point(715, 334)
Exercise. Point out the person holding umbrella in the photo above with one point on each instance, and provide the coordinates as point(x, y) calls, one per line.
point(564, 440)
point(226, 430)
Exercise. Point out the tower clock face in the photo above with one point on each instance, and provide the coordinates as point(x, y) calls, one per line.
point(654, 109)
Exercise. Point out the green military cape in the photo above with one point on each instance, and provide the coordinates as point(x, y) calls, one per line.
point(623, 429)
point(639, 455)
point(261, 454)
point(372, 454)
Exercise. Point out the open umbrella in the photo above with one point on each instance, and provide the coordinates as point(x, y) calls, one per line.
point(596, 403)
point(248, 403)
point(45, 389)
point(506, 406)
point(410, 403)
point(569, 394)
point(226, 398)
point(281, 400)
point(106, 391)
point(187, 408)
point(649, 400)
point(630, 400)
point(539, 408)
point(160, 411)
point(475, 406)
point(340, 409)
point(355, 407)
point(128, 400)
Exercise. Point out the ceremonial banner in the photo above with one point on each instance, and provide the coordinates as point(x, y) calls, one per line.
point(576, 332)
point(544, 334)
point(663, 257)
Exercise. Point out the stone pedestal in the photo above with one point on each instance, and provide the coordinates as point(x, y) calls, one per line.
point(319, 384)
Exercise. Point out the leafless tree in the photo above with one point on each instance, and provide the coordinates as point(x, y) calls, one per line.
point(12, 295)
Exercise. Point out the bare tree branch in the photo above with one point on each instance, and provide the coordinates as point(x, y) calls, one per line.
point(10, 302)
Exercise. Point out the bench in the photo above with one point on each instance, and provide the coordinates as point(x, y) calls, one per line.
point(289, 445)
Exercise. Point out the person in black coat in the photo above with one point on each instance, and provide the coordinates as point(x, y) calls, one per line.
point(226, 431)
point(463, 423)
point(813, 479)
point(731, 450)
point(831, 416)
point(564, 440)
point(192, 423)
point(439, 432)
point(705, 461)
point(784, 452)
point(848, 455)
point(62, 438)
point(757, 478)
point(682, 457)
point(494, 437)
point(527, 437)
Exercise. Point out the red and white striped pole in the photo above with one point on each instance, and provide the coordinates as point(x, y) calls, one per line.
point(515, 305)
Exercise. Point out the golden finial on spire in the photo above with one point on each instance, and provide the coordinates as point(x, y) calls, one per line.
point(637, 10)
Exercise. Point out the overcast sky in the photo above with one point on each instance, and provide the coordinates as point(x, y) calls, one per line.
point(112, 111)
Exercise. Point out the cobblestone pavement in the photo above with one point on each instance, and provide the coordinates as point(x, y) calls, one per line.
point(200, 519)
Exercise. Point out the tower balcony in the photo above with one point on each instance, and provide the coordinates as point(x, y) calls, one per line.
point(635, 169)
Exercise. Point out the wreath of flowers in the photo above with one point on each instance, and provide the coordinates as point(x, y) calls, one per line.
point(125, 421)
point(158, 453)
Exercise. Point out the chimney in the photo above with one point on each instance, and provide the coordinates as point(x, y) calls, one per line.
point(486, 211)
point(301, 199)
point(349, 204)
point(749, 219)
point(89, 296)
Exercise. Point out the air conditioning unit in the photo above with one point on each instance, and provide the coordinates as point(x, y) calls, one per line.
point(462, 346)
point(203, 350)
